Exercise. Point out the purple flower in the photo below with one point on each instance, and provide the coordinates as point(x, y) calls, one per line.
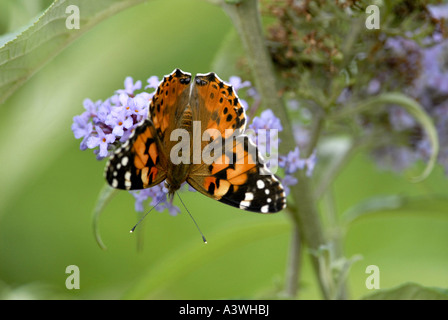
point(237, 84)
point(140, 197)
point(310, 163)
point(265, 130)
point(139, 105)
point(102, 140)
point(158, 196)
point(267, 120)
point(130, 86)
point(439, 11)
point(172, 209)
point(400, 119)
point(91, 107)
point(119, 120)
point(292, 162)
point(288, 181)
point(103, 122)
point(82, 128)
point(103, 111)
point(153, 82)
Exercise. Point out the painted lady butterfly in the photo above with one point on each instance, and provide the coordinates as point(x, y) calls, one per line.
point(237, 175)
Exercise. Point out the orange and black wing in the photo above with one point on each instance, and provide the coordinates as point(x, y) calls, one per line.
point(137, 163)
point(216, 104)
point(142, 161)
point(239, 177)
point(232, 170)
point(169, 103)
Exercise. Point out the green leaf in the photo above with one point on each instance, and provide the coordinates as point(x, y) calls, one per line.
point(333, 269)
point(106, 193)
point(430, 206)
point(409, 291)
point(23, 54)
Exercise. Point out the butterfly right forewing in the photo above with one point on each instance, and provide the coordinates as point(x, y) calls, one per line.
point(235, 174)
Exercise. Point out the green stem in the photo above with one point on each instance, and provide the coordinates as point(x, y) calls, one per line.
point(413, 108)
point(246, 19)
point(293, 264)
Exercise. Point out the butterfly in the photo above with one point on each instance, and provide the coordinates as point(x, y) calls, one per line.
point(225, 165)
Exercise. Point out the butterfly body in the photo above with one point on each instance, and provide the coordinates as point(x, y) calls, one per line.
point(194, 134)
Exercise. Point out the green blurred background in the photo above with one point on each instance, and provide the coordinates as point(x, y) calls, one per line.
point(49, 187)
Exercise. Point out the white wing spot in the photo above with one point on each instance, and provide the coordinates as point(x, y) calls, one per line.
point(267, 191)
point(265, 209)
point(244, 204)
point(260, 184)
point(124, 161)
point(249, 196)
point(115, 183)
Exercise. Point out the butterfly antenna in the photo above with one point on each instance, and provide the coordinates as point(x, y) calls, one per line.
point(203, 238)
point(132, 230)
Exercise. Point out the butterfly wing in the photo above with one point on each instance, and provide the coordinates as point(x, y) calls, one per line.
point(136, 164)
point(217, 105)
point(169, 103)
point(240, 178)
point(142, 161)
point(235, 173)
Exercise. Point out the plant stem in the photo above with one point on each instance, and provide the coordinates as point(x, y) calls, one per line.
point(293, 263)
point(413, 108)
point(246, 19)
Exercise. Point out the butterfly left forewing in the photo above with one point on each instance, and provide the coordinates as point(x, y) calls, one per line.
point(169, 103)
point(144, 160)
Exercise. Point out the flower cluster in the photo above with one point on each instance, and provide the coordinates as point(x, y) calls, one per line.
point(104, 125)
point(422, 67)
point(158, 196)
point(292, 162)
point(308, 45)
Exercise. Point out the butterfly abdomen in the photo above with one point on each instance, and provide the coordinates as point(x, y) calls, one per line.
point(186, 122)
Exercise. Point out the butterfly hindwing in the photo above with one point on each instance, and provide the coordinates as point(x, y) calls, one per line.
point(239, 177)
point(136, 164)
